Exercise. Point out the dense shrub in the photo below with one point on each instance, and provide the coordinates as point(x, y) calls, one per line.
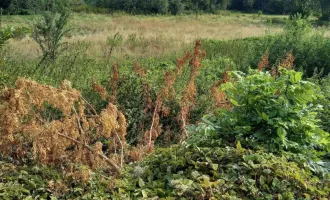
point(269, 113)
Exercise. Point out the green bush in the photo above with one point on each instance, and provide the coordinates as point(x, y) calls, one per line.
point(275, 114)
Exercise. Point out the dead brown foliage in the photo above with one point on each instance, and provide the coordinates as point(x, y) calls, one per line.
point(114, 83)
point(219, 97)
point(100, 90)
point(25, 130)
point(164, 94)
point(188, 98)
point(264, 62)
point(288, 61)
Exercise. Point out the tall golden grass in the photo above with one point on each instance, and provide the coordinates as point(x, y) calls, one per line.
point(145, 36)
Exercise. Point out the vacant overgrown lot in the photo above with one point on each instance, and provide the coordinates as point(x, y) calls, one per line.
point(230, 106)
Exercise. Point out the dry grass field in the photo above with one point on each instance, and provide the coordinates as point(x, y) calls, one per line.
point(145, 36)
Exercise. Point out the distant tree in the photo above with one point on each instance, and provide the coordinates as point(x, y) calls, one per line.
point(224, 4)
point(153, 6)
point(4, 4)
point(130, 6)
point(18, 7)
point(325, 7)
point(303, 7)
point(242, 5)
point(248, 4)
point(176, 7)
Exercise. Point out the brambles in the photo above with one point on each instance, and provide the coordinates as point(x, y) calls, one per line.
point(27, 128)
point(271, 116)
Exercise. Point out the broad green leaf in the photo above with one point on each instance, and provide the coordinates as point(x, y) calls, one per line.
point(239, 147)
point(141, 182)
point(215, 167)
point(144, 193)
point(264, 116)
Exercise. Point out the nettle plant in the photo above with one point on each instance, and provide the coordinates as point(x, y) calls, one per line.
point(271, 111)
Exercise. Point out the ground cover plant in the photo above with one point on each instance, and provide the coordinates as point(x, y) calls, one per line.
point(119, 113)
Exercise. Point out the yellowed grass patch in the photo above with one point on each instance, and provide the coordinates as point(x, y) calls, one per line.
point(147, 36)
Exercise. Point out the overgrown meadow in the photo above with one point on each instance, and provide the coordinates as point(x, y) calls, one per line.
point(92, 112)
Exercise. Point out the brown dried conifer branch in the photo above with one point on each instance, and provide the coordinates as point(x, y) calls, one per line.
point(121, 150)
point(108, 160)
point(27, 100)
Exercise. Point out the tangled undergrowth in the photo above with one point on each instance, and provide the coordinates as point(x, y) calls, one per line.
point(261, 139)
point(268, 145)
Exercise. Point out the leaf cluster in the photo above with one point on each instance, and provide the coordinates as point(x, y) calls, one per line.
point(190, 172)
point(42, 182)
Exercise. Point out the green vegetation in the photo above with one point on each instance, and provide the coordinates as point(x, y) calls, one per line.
point(309, 47)
point(220, 173)
point(152, 118)
point(276, 114)
point(270, 120)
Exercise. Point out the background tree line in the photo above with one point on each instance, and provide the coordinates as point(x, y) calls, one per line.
point(25, 7)
point(320, 8)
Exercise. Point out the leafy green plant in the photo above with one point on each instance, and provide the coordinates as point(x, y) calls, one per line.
point(40, 182)
point(10, 32)
point(276, 114)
